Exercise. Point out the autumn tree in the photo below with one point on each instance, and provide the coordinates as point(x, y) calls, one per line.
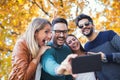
point(16, 14)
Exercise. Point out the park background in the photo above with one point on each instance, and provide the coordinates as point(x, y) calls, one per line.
point(15, 15)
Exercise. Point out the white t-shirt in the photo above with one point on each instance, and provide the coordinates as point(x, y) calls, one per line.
point(38, 72)
point(86, 76)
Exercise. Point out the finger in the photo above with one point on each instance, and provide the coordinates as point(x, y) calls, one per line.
point(72, 56)
point(90, 53)
point(69, 57)
point(74, 75)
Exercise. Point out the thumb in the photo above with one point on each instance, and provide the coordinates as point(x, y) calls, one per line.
point(91, 53)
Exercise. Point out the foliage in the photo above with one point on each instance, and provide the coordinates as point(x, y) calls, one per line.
point(16, 14)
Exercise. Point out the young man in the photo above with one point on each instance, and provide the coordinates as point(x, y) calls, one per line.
point(106, 43)
point(53, 57)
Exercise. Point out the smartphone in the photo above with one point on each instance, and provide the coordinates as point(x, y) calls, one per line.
point(87, 63)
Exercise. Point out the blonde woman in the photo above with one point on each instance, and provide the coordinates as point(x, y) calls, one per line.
point(29, 48)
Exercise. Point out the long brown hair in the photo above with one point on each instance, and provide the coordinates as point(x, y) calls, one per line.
point(81, 47)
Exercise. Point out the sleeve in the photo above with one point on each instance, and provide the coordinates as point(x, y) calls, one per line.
point(115, 42)
point(48, 62)
point(22, 69)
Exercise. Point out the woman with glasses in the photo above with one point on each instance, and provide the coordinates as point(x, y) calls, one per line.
point(29, 49)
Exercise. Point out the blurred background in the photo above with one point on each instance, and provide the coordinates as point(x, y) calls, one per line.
point(15, 15)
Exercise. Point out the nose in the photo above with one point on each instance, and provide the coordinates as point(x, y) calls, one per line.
point(73, 42)
point(84, 26)
point(61, 34)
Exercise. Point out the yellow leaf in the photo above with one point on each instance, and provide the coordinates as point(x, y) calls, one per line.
point(21, 2)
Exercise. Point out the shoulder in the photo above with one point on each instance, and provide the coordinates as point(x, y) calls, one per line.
point(103, 37)
point(48, 55)
point(21, 43)
point(20, 47)
point(65, 46)
point(49, 52)
point(108, 32)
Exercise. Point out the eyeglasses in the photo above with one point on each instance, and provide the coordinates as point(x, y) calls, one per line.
point(60, 31)
point(85, 24)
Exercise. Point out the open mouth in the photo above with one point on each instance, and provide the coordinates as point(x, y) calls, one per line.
point(61, 39)
point(43, 41)
point(46, 42)
point(74, 45)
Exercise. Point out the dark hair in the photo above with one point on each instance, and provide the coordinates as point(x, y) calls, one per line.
point(81, 48)
point(82, 16)
point(59, 20)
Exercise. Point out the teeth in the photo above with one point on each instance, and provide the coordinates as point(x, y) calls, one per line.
point(74, 45)
point(86, 31)
point(60, 39)
point(46, 42)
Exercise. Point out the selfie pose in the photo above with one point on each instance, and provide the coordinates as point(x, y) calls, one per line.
point(77, 48)
point(53, 57)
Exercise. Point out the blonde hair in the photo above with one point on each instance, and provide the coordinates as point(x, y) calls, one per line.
point(36, 25)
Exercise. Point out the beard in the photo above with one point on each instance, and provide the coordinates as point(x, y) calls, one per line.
point(57, 43)
point(90, 33)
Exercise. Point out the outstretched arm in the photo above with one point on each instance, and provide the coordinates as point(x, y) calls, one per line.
point(65, 66)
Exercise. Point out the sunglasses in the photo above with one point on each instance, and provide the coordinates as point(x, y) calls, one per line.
point(85, 24)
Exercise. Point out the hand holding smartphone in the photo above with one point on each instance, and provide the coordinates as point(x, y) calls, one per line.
point(86, 63)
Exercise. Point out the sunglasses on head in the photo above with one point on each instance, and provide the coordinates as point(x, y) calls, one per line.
point(85, 24)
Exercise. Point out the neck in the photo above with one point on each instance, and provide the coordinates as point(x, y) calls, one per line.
point(80, 53)
point(93, 36)
point(56, 46)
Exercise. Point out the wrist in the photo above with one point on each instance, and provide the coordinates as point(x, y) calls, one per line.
point(35, 61)
point(59, 70)
point(104, 59)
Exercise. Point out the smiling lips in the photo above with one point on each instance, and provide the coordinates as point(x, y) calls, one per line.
point(86, 30)
point(61, 39)
point(74, 45)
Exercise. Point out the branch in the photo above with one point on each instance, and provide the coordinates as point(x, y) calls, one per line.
point(77, 10)
point(14, 33)
point(1, 49)
point(34, 2)
point(2, 26)
point(51, 3)
point(87, 3)
point(3, 2)
point(61, 3)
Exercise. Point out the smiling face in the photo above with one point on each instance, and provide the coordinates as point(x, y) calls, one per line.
point(73, 43)
point(59, 33)
point(87, 29)
point(43, 35)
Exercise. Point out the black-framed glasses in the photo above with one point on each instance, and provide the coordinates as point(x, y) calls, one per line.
point(60, 31)
point(85, 24)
